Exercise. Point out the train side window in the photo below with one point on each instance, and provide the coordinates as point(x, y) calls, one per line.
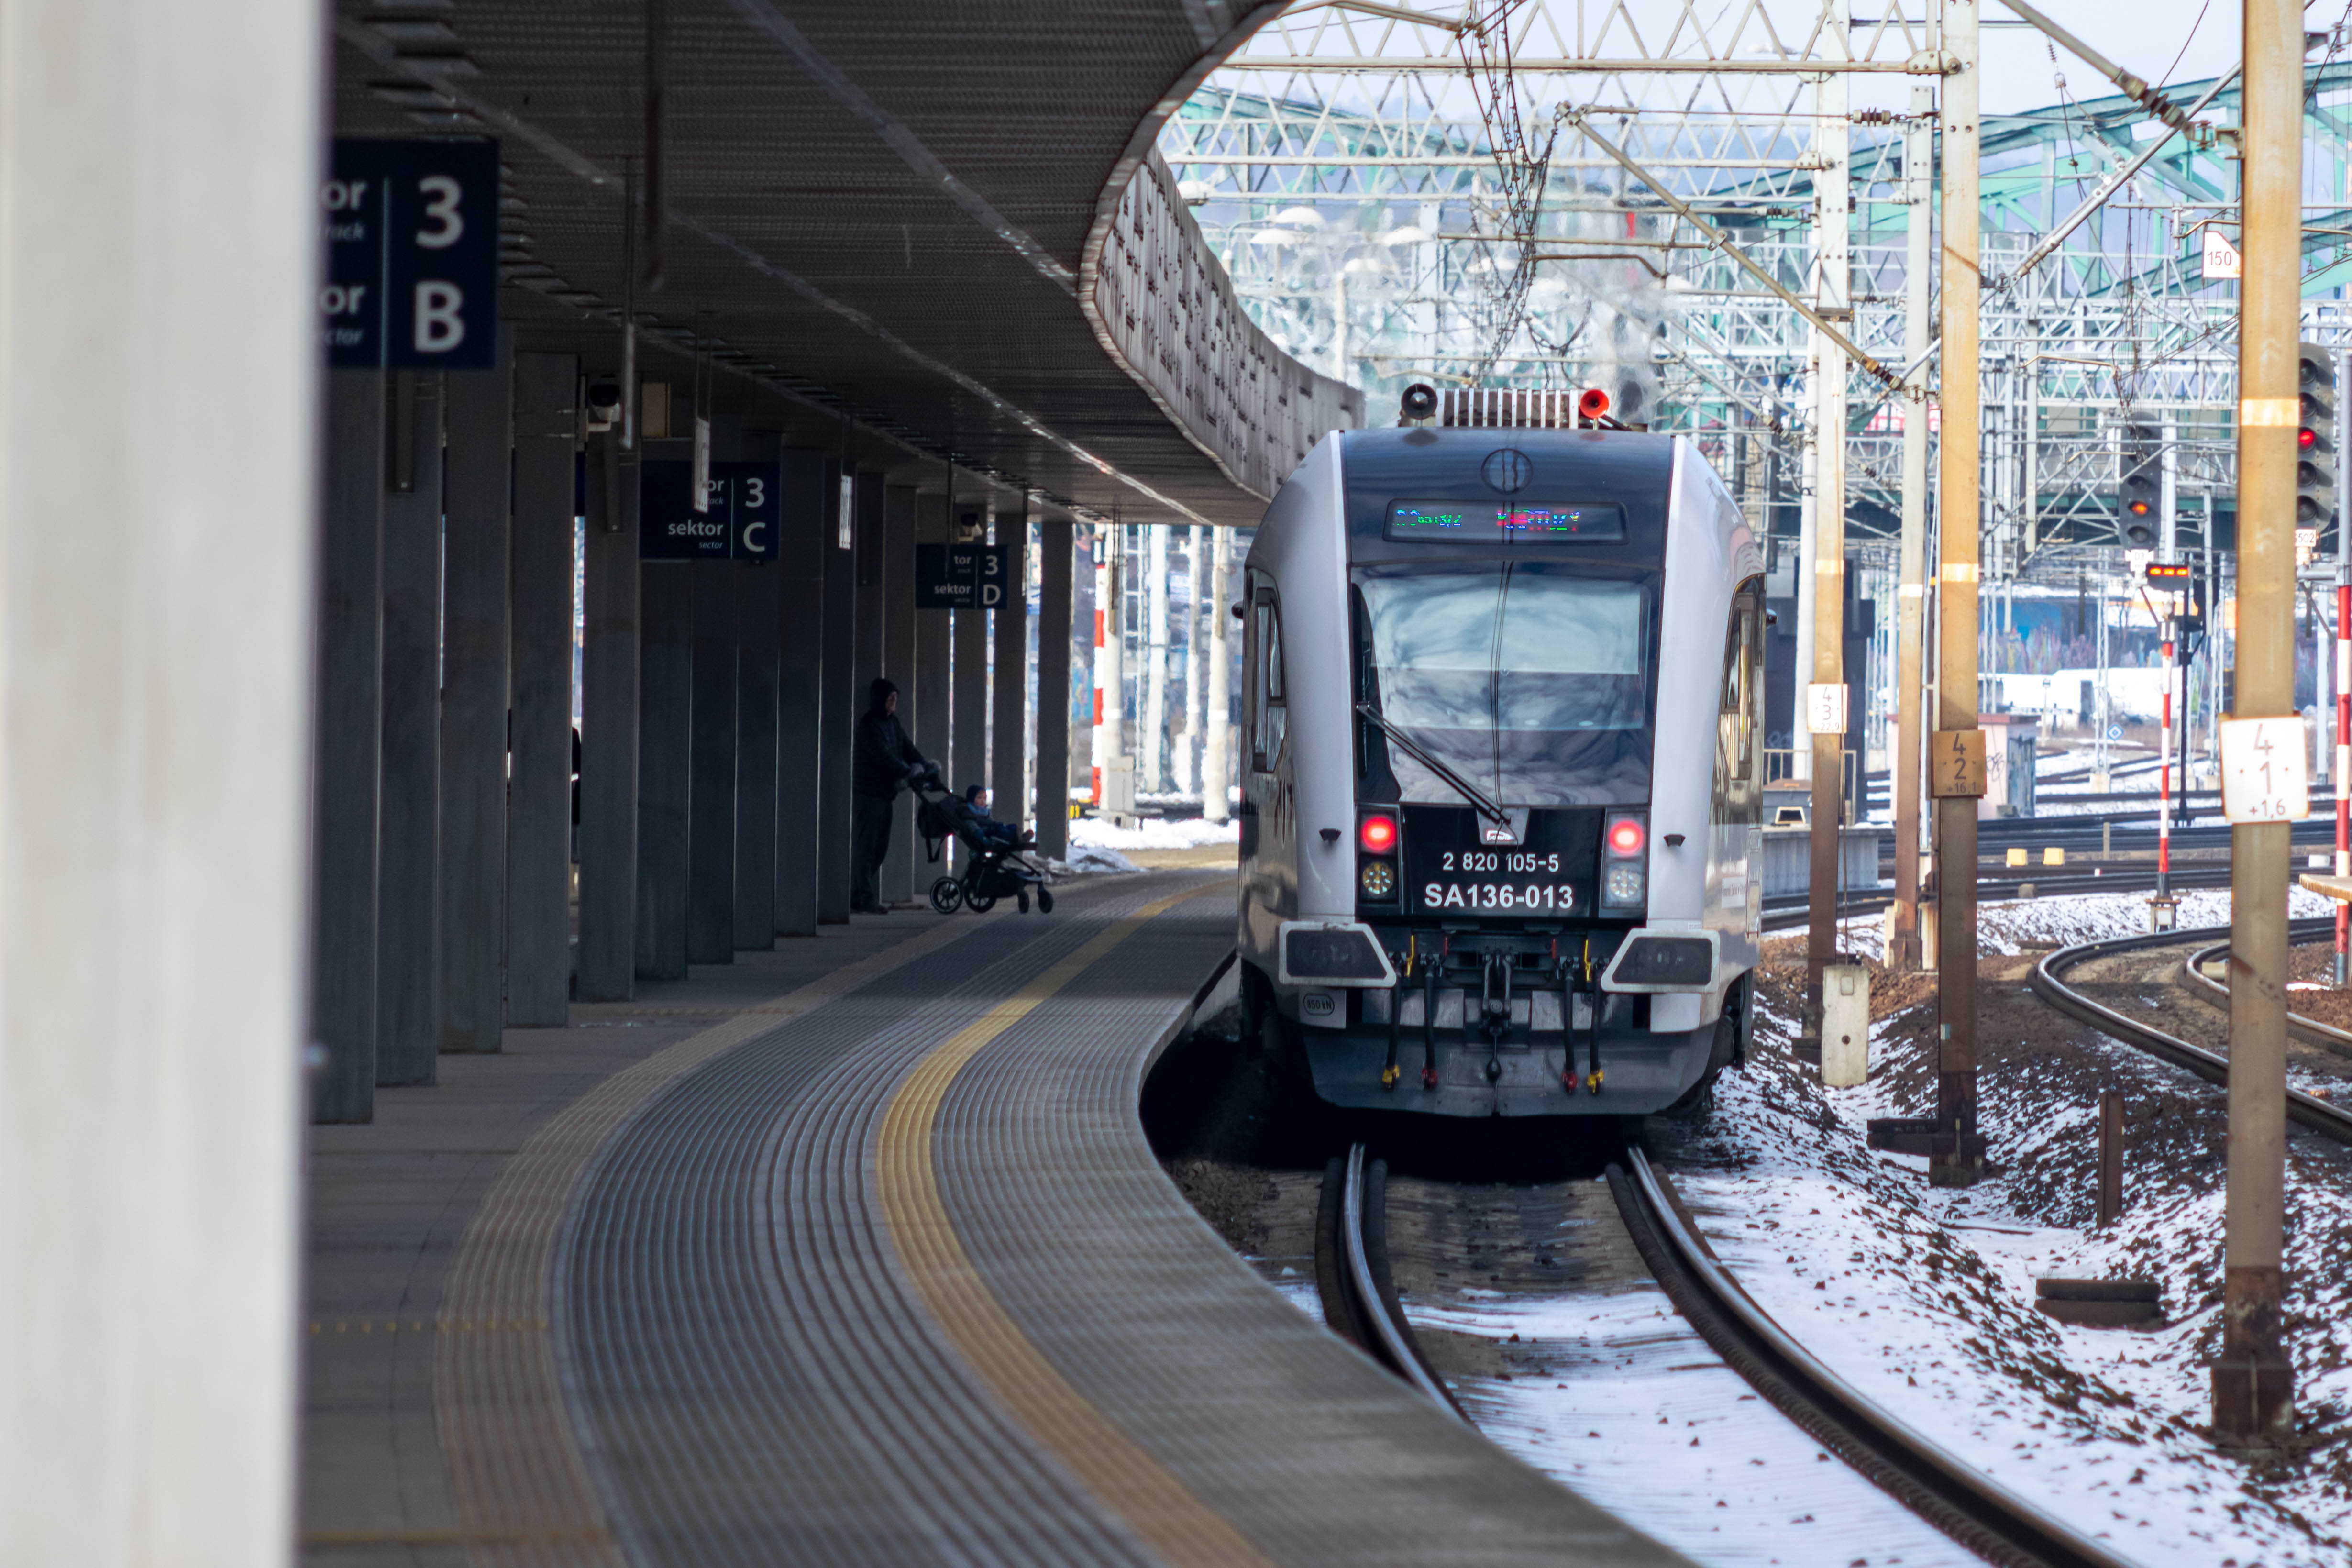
point(1743, 658)
point(1267, 696)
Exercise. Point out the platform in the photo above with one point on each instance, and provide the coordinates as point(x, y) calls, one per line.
point(855, 1253)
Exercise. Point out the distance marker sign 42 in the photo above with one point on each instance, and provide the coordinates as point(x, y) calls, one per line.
point(412, 236)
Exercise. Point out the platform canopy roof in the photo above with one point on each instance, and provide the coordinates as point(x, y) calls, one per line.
point(878, 210)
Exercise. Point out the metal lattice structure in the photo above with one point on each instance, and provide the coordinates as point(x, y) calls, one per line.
point(1368, 184)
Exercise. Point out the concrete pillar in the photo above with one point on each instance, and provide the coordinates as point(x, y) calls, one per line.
point(1009, 701)
point(1151, 697)
point(475, 553)
point(841, 696)
point(1217, 743)
point(343, 815)
point(160, 518)
point(968, 703)
point(539, 792)
point(805, 535)
point(869, 542)
point(933, 724)
point(757, 631)
point(1056, 546)
point(408, 819)
point(710, 899)
point(898, 642)
point(608, 728)
point(665, 765)
point(1196, 670)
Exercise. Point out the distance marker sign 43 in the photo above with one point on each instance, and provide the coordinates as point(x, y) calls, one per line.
point(412, 236)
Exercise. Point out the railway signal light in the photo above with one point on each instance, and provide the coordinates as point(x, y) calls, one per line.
point(2139, 485)
point(2315, 437)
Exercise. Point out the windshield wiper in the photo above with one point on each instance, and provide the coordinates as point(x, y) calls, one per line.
point(1447, 776)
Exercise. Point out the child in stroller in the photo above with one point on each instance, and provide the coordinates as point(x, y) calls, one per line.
point(994, 867)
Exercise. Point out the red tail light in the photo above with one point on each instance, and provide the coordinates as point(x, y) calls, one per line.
point(1378, 835)
point(1626, 837)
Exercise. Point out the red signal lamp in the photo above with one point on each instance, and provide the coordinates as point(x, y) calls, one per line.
point(1378, 835)
point(1593, 404)
point(2307, 437)
point(1626, 837)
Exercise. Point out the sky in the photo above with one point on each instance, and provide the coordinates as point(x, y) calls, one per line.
point(2144, 37)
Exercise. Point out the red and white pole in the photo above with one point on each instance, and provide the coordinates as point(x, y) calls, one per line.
point(1102, 619)
point(2342, 779)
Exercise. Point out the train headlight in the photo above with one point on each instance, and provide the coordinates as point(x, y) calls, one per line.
point(1625, 869)
point(1377, 879)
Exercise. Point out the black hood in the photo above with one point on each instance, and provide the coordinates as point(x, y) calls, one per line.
point(879, 693)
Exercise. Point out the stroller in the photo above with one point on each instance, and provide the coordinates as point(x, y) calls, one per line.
point(996, 867)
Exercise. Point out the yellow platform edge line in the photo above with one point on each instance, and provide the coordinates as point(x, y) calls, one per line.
point(1129, 1481)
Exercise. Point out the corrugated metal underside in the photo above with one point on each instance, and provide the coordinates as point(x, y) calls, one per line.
point(804, 243)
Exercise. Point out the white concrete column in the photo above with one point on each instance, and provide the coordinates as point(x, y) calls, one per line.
point(159, 518)
point(1196, 603)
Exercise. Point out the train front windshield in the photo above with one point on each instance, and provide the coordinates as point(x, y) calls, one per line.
point(1528, 678)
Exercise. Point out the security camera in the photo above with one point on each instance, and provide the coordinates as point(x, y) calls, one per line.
point(1417, 403)
point(603, 398)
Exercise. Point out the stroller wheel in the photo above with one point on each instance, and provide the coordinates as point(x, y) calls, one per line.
point(1022, 900)
point(1045, 901)
point(947, 894)
point(981, 903)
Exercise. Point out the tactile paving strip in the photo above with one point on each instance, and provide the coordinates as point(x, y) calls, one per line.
point(761, 1381)
point(518, 1478)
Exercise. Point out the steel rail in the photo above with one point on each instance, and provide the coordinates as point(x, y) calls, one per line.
point(2209, 990)
point(1359, 1299)
point(1981, 1515)
point(2316, 1115)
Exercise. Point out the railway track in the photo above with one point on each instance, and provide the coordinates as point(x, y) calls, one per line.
point(1789, 913)
point(2309, 1030)
point(1351, 1273)
point(1986, 1519)
point(2303, 1110)
point(1360, 1302)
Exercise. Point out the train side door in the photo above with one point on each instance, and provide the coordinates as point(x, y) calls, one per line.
point(1735, 872)
point(1269, 811)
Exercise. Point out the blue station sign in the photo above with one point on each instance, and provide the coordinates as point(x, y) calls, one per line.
point(739, 524)
point(412, 236)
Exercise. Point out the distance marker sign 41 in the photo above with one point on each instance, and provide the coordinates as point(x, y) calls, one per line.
point(412, 236)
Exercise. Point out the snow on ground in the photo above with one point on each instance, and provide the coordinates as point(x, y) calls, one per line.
point(1089, 859)
point(1153, 833)
point(1645, 1421)
point(2010, 926)
point(1923, 1297)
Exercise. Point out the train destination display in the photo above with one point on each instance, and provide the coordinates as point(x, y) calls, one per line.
point(1507, 522)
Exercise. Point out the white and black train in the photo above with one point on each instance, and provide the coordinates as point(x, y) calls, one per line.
point(1502, 770)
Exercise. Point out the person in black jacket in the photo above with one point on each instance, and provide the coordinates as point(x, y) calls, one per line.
point(882, 760)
